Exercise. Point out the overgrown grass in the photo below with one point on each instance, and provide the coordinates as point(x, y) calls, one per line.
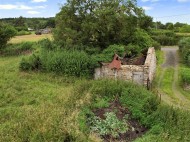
point(42, 107)
point(36, 106)
point(67, 62)
point(160, 61)
point(166, 84)
point(184, 80)
point(18, 49)
point(165, 123)
point(185, 75)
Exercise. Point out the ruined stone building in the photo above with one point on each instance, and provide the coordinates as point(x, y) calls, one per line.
point(140, 71)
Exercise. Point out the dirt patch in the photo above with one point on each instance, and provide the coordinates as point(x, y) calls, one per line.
point(135, 128)
point(186, 87)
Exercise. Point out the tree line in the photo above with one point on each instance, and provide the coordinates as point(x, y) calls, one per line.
point(177, 27)
point(22, 23)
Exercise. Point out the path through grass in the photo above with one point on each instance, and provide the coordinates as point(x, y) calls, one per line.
point(168, 84)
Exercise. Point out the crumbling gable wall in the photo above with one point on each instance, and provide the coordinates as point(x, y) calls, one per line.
point(140, 74)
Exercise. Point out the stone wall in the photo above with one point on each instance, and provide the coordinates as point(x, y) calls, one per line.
point(140, 74)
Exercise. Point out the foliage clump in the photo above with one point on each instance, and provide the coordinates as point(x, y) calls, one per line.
point(111, 125)
point(6, 33)
point(184, 47)
point(164, 37)
point(50, 58)
point(99, 24)
point(144, 106)
point(19, 48)
point(185, 75)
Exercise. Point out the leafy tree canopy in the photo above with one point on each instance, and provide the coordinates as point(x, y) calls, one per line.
point(99, 23)
point(6, 33)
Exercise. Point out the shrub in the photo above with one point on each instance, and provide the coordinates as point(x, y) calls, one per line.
point(47, 44)
point(30, 63)
point(19, 48)
point(142, 39)
point(184, 43)
point(156, 45)
point(132, 49)
point(184, 47)
point(185, 29)
point(107, 54)
point(164, 37)
point(73, 63)
point(185, 75)
point(23, 33)
point(6, 33)
point(76, 63)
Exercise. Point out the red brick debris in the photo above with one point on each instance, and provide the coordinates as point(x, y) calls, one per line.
point(116, 63)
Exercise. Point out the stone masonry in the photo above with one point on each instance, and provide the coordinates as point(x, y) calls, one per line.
point(140, 74)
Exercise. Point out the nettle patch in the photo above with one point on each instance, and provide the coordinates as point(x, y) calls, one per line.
point(115, 122)
point(117, 110)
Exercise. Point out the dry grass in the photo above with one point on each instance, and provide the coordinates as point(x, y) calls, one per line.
point(183, 34)
point(32, 37)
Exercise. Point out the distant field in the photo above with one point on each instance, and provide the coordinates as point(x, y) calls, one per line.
point(183, 34)
point(31, 37)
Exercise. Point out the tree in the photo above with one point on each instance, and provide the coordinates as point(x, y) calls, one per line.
point(6, 33)
point(185, 29)
point(159, 25)
point(50, 23)
point(19, 22)
point(178, 24)
point(97, 23)
point(145, 22)
point(169, 26)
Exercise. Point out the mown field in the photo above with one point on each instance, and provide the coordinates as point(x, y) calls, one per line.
point(32, 37)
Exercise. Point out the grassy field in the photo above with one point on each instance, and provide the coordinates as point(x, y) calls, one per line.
point(31, 37)
point(34, 106)
point(44, 107)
